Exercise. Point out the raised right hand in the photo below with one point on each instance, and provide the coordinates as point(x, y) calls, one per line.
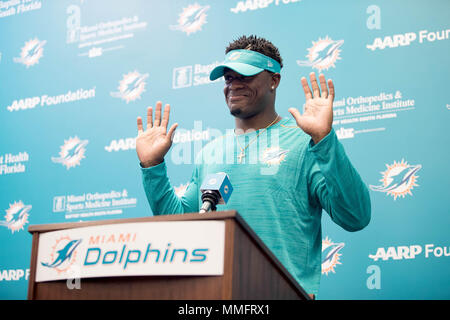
point(153, 143)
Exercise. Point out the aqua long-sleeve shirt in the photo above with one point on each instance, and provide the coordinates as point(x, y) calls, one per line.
point(280, 188)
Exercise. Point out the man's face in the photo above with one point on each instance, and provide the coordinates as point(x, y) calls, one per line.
point(247, 96)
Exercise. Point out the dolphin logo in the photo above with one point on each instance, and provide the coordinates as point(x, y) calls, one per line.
point(398, 180)
point(323, 54)
point(273, 155)
point(135, 85)
point(64, 254)
point(16, 216)
point(181, 190)
point(234, 56)
point(131, 86)
point(31, 52)
point(330, 251)
point(330, 255)
point(191, 19)
point(71, 152)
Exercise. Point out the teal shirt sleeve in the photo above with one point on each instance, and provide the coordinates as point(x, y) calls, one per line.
point(337, 186)
point(161, 195)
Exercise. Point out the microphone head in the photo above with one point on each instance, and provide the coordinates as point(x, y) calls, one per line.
point(218, 182)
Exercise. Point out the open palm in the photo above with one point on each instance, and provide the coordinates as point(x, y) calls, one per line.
point(317, 117)
point(153, 143)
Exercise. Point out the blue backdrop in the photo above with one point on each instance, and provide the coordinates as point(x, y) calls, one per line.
point(74, 75)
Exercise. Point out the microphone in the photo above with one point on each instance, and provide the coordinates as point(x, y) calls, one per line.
point(216, 189)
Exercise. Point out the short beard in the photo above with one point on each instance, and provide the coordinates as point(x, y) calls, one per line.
point(236, 113)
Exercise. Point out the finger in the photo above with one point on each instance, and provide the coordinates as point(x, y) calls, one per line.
point(331, 86)
point(306, 88)
point(296, 114)
point(172, 131)
point(158, 114)
point(140, 127)
point(165, 119)
point(149, 117)
point(314, 85)
point(323, 86)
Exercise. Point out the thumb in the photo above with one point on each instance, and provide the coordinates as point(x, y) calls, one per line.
point(171, 132)
point(296, 114)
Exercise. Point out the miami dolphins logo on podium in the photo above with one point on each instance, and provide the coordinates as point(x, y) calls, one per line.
point(63, 254)
point(330, 255)
point(191, 19)
point(131, 86)
point(16, 216)
point(398, 180)
point(31, 52)
point(323, 54)
point(72, 151)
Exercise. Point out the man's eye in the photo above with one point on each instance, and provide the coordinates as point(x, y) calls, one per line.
point(229, 79)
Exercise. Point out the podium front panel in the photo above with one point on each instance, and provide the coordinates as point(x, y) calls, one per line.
point(132, 249)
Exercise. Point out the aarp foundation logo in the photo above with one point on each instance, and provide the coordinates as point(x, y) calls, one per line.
point(31, 52)
point(63, 254)
point(72, 152)
point(191, 19)
point(16, 216)
point(330, 255)
point(398, 180)
point(323, 54)
point(131, 86)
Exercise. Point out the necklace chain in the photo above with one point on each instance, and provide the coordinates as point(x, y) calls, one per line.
point(242, 154)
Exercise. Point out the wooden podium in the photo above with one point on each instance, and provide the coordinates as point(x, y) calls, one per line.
point(250, 270)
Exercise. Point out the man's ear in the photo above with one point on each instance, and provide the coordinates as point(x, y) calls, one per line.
point(276, 78)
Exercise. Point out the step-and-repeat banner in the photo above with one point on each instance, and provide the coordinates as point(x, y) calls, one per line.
point(75, 74)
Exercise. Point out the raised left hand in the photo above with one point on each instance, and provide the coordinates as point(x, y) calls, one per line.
point(317, 115)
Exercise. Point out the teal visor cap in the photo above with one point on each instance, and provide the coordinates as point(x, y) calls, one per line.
point(246, 63)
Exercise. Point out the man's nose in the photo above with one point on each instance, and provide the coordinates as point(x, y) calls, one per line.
point(235, 83)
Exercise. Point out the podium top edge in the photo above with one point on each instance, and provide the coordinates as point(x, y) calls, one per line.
point(217, 215)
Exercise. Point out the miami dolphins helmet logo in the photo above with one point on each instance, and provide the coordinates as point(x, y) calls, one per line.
point(398, 180)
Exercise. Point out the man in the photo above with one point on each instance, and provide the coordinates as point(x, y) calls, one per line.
point(301, 167)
